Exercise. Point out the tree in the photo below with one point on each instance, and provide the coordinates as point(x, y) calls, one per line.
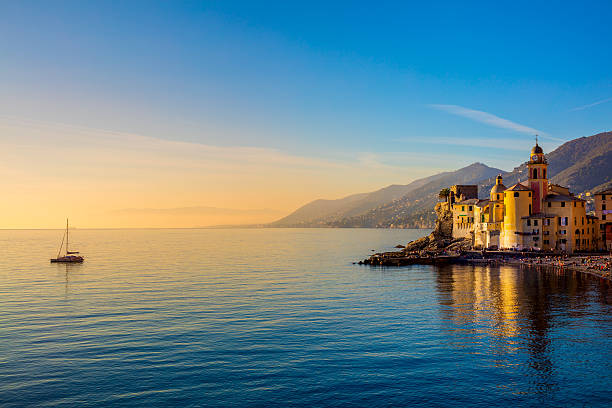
point(444, 193)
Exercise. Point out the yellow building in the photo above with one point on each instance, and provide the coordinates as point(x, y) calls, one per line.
point(533, 214)
point(517, 204)
point(463, 218)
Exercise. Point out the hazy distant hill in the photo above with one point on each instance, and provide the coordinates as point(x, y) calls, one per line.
point(583, 164)
point(320, 212)
point(366, 209)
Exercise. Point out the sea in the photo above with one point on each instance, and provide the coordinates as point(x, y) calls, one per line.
point(285, 318)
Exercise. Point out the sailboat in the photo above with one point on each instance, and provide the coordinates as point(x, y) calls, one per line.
point(69, 256)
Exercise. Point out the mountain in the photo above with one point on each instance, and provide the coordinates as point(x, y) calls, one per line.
point(583, 164)
point(415, 209)
point(357, 210)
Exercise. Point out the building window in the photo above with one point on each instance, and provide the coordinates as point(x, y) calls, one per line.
point(549, 204)
point(582, 220)
point(603, 217)
point(462, 208)
point(574, 203)
point(528, 194)
point(562, 203)
point(470, 208)
point(544, 173)
point(536, 238)
point(498, 196)
point(535, 223)
point(603, 207)
point(546, 242)
point(529, 223)
point(529, 209)
point(574, 220)
point(516, 194)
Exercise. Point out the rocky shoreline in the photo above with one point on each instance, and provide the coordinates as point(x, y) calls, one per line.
point(458, 252)
point(438, 248)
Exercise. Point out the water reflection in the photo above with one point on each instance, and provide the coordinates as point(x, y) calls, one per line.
point(511, 313)
point(67, 272)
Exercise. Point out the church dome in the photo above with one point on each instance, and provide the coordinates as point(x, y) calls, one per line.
point(537, 150)
point(498, 189)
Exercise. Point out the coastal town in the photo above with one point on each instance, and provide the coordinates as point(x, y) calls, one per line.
point(532, 222)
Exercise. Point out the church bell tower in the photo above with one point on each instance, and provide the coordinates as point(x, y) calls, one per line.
point(538, 181)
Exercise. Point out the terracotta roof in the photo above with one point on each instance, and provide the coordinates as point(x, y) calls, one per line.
point(608, 191)
point(518, 187)
point(469, 201)
point(561, 197)
point(482, 203)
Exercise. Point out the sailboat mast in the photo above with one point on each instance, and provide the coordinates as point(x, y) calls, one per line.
point(66, 235)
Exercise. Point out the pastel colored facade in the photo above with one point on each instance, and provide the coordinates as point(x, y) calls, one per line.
point(533, 214)
point(517, 204)
point(463, 218)
point(603, 212)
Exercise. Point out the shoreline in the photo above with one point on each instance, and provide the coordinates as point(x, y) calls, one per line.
point(599, 266)
point(595, 265)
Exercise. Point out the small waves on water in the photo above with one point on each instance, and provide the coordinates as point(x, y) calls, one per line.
point(282, 317)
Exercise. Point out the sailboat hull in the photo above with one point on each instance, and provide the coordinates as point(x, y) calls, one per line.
point(68, 259)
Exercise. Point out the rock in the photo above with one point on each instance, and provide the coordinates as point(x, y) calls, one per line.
point(440, 237)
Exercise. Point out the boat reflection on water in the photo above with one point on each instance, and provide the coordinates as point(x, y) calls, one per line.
point(509, 314)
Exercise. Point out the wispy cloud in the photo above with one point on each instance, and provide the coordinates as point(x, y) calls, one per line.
point(487, 118)
point(590, 105)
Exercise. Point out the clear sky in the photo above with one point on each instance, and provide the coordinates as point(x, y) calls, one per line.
point(129, 113)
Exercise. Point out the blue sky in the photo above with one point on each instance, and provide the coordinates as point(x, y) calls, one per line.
point(441, 84)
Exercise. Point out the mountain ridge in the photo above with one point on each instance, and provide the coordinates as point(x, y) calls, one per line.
point(326, 213)
point(582, 164)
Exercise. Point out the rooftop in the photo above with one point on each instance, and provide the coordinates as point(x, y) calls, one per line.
point(518, 187)
point(469, 201)
point(561, 197)
point(482, 203)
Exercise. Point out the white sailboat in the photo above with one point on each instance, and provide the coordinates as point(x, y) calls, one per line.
point(69, 256)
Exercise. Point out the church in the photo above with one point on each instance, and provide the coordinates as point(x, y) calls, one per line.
point(533, 214)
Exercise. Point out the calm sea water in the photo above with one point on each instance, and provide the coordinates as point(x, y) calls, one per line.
point(283, 318)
